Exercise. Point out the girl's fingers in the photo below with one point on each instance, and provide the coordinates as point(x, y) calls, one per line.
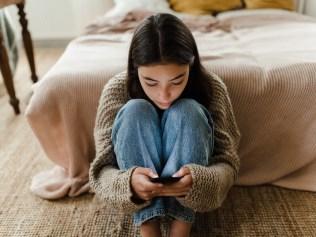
point(146, 171)
point(150, 194)
point(182, 172)
point(146, 186)
point(146, 196)
point(174, 190)
point(172, 194)
point(149, 186)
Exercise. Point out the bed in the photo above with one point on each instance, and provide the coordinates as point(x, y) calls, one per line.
point(266, 57)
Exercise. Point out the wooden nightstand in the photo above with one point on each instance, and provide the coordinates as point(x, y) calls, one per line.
point(4, 61)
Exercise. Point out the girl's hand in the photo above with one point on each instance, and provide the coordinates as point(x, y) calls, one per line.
point(141, 184)
point(179, 188)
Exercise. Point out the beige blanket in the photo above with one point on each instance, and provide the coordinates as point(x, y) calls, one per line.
point(266, 58)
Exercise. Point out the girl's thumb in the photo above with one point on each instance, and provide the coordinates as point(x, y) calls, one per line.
point(152, 174)
point(178, 173)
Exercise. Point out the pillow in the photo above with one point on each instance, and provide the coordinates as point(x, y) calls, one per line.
point(204, 6)
point(122, 7)
point(150, 5)
point(283, 4)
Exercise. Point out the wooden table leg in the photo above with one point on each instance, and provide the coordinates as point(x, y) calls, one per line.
point(27, 41)
point(7, 76)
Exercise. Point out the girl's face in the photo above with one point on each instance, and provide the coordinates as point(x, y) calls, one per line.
point(163, 83)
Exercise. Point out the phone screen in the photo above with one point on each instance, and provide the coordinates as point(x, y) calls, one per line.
point(165, 179)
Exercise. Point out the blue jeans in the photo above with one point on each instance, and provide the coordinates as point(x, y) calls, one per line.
point(184, 134)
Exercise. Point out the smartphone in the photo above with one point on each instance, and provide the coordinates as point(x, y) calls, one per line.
point(165, 180)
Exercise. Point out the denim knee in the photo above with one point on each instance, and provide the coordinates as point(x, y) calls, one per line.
point(136, 135)
point(135, 111)
point(188, 110)
point(136, 108)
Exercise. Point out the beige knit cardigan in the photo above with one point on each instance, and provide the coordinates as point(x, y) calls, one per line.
point(210, 184)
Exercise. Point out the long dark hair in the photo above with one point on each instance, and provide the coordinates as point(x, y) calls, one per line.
point(162, 39)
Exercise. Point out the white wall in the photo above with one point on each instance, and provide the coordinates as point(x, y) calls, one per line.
point(59, 19)
point(65, 19)
point(310, 8)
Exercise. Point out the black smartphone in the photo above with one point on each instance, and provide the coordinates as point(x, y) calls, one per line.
point(165, 180)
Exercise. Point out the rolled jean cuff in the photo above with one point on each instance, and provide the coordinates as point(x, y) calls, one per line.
point(145, 216)
point(141, 218)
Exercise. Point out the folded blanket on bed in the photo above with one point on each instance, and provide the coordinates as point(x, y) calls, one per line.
point(267, 63)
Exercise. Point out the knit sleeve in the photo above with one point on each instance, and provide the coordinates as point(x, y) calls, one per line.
point(212, 183)
point(108, 182)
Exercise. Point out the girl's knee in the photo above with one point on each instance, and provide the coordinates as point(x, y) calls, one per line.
point(188, 110)
point(136, 108)
point(135, 111)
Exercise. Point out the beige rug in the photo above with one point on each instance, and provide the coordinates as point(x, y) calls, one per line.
point(248, 211)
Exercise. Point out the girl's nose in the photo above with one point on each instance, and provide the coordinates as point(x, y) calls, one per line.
point(164, 96)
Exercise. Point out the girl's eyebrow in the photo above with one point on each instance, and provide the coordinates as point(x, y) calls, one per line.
point(176, 77)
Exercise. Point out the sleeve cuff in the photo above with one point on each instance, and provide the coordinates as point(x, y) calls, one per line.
point(210, 186)
point(119, 194)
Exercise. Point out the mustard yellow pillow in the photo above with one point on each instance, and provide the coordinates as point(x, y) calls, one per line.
point(204, 6)
point(283, 4)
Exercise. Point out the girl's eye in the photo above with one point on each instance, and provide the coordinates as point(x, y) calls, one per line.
point(151, 85)
point(177, 83)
